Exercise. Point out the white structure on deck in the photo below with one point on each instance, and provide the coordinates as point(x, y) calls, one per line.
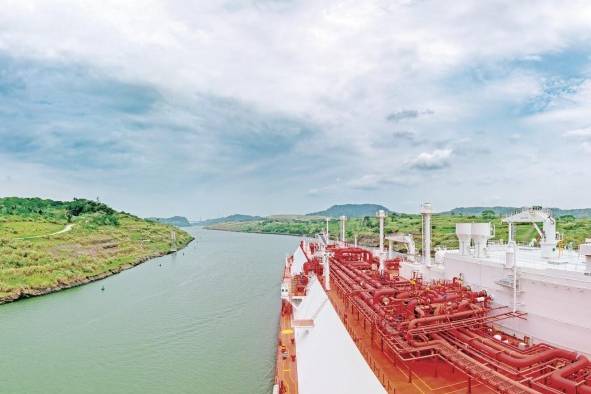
point(585, 251)
point(548, 236)
point(381, 216)
point(426, 211)
point(477, 233)
point(343, 220)
point(328, 361)
point(553, 288)
point(405, 239)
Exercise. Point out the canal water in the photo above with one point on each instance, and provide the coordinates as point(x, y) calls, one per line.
point(201, 321)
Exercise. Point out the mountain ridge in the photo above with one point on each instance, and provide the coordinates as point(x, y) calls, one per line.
point(237, 217)
point(350, 210)
point(179, 221)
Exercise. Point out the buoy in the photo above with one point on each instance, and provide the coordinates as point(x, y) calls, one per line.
point(103, 288)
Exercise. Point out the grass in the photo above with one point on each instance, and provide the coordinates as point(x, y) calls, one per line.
point(92, 249)
point(18, 228)
point(574, 231)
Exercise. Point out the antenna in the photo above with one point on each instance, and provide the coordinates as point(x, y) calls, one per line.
point(381, 215)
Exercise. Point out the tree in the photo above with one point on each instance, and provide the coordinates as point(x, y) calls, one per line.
point(488, 214)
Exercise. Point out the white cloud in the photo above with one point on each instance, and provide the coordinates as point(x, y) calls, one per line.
point(437, 159)
point(376, 181)
point(581, 134)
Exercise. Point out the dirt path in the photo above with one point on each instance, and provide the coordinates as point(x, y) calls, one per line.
point(64, 230)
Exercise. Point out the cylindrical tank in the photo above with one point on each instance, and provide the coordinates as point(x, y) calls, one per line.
point(464, 234)
point(481, 233)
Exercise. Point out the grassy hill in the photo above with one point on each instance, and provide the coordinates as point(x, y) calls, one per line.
point(574, 230)
point(350, 210)
point(48, 245)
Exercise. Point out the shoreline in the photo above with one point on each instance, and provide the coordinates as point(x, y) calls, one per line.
point(30, 293)
point(288, 234)
point(258, 232)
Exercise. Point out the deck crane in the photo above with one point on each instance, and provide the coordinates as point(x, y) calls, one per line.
point(548, 236)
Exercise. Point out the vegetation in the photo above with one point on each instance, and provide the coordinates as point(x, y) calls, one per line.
point(574, 230)
point(350, 210)
point(179, 221)
point(501, 211)
point(99, 241)
point(226, 219)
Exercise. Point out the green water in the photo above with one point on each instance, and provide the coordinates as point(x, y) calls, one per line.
point(201, 321)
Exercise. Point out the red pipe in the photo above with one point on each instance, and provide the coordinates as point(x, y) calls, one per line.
point(493, 344)
point(517, 360)
point(536, 358)
point(440, 341)
point(558, 378)
point(384, 291)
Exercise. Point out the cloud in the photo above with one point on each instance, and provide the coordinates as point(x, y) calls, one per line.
point(435, 160)
point(375, 181)
point(407, 114)
point(581, 134)
point(265, 99)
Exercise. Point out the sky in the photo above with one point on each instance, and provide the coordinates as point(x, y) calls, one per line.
point(210, 108)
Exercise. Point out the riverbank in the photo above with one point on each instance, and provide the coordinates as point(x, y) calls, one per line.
point(27, 293)
point(48, 246)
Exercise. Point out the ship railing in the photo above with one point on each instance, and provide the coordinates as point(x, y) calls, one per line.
point(546, 211)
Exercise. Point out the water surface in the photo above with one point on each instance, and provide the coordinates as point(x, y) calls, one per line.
point(201, 321)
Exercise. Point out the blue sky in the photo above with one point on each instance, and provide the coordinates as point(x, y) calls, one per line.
point(263, 107)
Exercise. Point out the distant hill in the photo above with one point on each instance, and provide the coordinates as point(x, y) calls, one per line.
point(179, 221)
point(502, 211)
point(350, 210)
point(227, 219)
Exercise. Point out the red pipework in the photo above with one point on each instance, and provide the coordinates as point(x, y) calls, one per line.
point(453, 316)
point(417, 310)
point(559, 378)
point(383, 292)
point(536, 358)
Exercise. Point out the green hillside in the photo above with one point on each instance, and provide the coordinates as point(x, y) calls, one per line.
point(48, 245)
point(350, 210)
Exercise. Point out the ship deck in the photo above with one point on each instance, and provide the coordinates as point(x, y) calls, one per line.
point(423, 376)
point(286, 362)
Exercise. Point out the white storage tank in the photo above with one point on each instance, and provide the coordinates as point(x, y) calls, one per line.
point(464, 234)
point(481, 233)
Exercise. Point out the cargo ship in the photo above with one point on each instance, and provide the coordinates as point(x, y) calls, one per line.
point(489, 317)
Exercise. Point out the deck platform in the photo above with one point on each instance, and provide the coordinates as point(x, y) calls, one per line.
point(431, 375)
